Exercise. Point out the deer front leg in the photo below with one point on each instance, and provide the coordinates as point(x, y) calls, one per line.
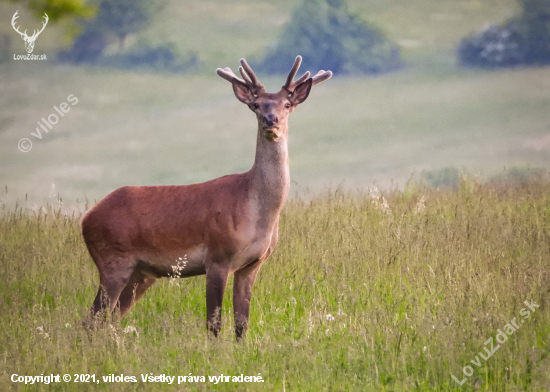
point(216, 282)
point(242, 293)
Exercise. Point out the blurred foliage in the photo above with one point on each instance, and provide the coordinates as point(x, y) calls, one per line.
point(329, 37)
point(515, 176)
point(153, 57)
point(116, 20)
point(58, 9)
point(535, 21)
point(524, 40)
point(447, 177)
point(518, 176)
point(87, 47)
point(495, 46)
point(123, 17)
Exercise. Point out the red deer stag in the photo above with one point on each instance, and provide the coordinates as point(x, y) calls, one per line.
point(225, 226)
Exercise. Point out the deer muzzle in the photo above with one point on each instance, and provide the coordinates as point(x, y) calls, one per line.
point(270, 120)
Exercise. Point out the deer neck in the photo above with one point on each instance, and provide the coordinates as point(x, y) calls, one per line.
point(270, 177)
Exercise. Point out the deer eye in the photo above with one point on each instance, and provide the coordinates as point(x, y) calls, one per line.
point(256, 106)
point(287, 106)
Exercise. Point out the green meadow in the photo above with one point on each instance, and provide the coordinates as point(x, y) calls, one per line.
point(395, 291)
point(379, 283)
point(144, 128)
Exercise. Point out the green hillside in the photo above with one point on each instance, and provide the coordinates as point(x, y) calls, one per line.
point(140, 128)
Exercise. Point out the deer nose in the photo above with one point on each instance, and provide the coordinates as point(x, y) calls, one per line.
point(270, 119)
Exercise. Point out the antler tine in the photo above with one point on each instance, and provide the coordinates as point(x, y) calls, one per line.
point(249, 78)
point(253, 78)
point(321, 76)
point(293, 71)
point(292, 85)
point(302, 78)
point(246, 77)
point(228, 75)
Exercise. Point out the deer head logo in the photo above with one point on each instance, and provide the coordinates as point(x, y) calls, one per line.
point(29, 41)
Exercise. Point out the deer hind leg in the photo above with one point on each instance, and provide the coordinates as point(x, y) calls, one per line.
point(134, 290)
point(114, 276)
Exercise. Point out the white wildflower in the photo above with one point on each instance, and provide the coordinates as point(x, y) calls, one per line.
point(385, 207)
point(309, 323)
point(114, 335)
point(330, 317)
point(379, 201)
point(41, 331)
point(181, 262)
point(421, 205)
point(131, 329)
point(374, 194)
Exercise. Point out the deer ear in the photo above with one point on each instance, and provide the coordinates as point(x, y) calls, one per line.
point(301, 92)
point(242, 92)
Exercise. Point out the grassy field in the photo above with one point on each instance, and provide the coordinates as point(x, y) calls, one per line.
point(371, 292)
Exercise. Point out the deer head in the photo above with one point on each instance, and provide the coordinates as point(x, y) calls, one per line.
point(272, 109)
point(29, 41)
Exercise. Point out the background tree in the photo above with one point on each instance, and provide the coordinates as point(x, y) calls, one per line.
point(58, 9)
point(328, 36)
point(523, 40)
point(116, 19)
point(535, 22)
point(123, 17)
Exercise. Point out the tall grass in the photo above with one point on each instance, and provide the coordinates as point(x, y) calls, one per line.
point(390, 291)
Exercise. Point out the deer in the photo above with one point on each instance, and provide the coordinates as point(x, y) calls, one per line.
point(29, 41)
point(222, 227)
